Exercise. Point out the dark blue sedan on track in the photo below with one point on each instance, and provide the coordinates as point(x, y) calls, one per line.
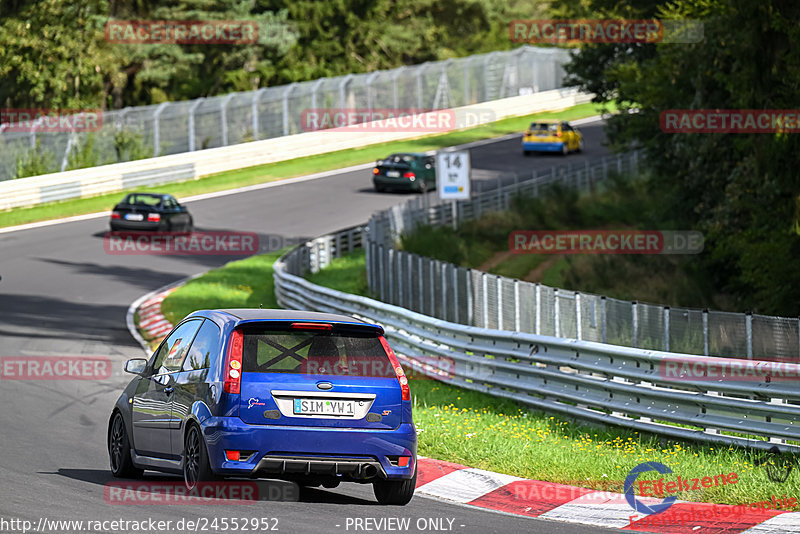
point(309, 397)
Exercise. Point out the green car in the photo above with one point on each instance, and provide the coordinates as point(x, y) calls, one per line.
point(404, 172)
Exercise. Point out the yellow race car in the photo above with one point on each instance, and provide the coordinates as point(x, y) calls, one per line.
point(551, 135)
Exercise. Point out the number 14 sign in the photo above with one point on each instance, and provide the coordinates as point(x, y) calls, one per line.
point(452, 173)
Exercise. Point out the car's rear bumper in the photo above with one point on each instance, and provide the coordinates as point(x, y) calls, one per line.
point(118, 225)
point(397, 184)
point(542, 147)
point(287, 450)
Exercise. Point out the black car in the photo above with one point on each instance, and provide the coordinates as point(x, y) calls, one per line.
point(150, 212)
point(405, 172)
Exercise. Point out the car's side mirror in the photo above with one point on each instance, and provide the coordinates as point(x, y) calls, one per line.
point(136, 366)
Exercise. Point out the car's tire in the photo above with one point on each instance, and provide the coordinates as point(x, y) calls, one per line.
point(395, 492)
point(196, 467)
point(189, 228)
point(379, 189)
point(580, 146)
point(119, 450)
point(526, 152)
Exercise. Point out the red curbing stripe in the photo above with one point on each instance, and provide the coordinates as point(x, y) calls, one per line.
point(429, 470)
point(530, 497)
point(702, 518)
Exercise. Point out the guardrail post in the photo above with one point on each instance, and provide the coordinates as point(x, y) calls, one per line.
point(666, 328)
point(578, 316)
point(157, 128)
point(538, 322)
point(635, 319)
point(499, 303)
point(705, 332)
point(192, 135)
point(748, 328)
point(556, 313)
point(485, 311)
point(517, 326)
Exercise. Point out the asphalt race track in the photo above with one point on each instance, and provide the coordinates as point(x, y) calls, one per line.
point(61, 294)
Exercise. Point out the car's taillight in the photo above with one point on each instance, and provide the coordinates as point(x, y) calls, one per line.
point(115, 215)
point(311, 326)
point(375, 171)
point(558, 133)
point(409, 175)
point(398, 370)
point(153, 217)
point(233, 364)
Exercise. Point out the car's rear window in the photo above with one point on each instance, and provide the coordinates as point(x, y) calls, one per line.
point(543, 127)
point(400, 158)
point(143, 200)
point(315, 353)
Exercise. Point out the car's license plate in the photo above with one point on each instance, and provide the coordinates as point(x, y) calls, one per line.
point(323, 407)
point(134, 217)
point(393, 174)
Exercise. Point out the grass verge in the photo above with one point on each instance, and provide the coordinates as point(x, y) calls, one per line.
point(243, 283)
point(290, 168)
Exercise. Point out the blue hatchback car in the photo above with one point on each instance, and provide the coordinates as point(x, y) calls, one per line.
point(309, 397)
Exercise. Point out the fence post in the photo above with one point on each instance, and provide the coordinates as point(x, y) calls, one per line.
point(421, 286)
point(223, 114)
point(381, 273)
point(157, 128)
point(443, 273)
point(499, 303)
point(400, 277)
point(433, 287)
point(556, 313)
point(192, 109)
point(538, 322)
point(455, 292)
point(410, 274)
point(666, 328)
point(470, 297)
point(635, 313)
point(603, 320)
point(748, 327)
point(485, 292)
point(578, 316)
point(285, 103)
point(517, 326)
point(705, 332)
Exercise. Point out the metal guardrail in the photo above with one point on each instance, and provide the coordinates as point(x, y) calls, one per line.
point(592, 381)
point(178, 127)
point(447, 291)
